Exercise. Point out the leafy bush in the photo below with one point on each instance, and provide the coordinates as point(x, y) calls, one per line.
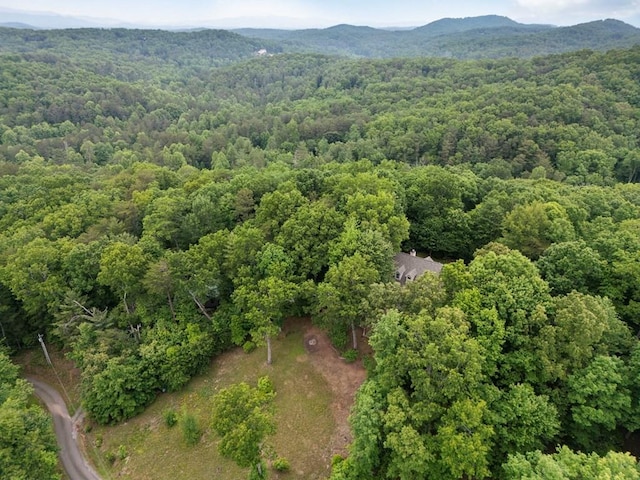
point(258, 472)
point(248, 346)
point(350, 355)
point(170, 417)
point(265, 386)
point(122, 452)
point(119, 391)
point(190, 428)
point(281, 464)
point(173, 354)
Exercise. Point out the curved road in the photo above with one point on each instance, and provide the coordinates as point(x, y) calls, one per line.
point(72, 459)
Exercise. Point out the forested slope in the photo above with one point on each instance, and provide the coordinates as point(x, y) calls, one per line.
point(132, 54)
point(476, 37)
point(143, 51)
point(152, 220)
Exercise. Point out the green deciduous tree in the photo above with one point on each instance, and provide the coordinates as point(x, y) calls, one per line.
point(340, 296)
point(262, 308)
point(158, 281)
point(571, 266)
point(172, 354)
point(370, 243)
point(277, 207)
point(199, 273)
point(510, 283)
point(465, 440)
point(421, 413)
point(523, 421)
point(599, 400)
point(27, 444)
point(582, 327)
point(532, 228)
point(307, 237)
point(35, 274)
point(241, 416)
point(122, 268)
point(568, 465)
point(121, 390)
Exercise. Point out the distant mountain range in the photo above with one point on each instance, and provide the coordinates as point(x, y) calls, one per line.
point(51, 21)
point(44, 20)
point(489, 36)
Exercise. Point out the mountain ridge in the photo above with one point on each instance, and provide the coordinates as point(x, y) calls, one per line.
point(489, 36)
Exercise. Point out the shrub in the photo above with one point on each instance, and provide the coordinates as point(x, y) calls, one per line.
point(122, 452)
point(110, 457)
point(281, 464)
point(190, 428)
point(350, 356)
point(248, 346)
point(170, 417)
point(258, 472)
point(265, 385)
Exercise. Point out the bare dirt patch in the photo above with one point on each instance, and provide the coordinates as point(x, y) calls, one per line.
point(343, 379)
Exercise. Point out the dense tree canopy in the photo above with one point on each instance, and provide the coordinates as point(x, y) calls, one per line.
point(27, 443)
point(151, 219)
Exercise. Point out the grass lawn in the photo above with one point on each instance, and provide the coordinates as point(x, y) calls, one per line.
point(303, 405)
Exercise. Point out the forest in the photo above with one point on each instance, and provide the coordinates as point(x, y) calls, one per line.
point(158, 209)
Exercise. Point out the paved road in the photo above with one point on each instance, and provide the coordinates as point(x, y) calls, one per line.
point(72, 459)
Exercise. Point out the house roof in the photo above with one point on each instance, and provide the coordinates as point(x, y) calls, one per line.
point(414, 266)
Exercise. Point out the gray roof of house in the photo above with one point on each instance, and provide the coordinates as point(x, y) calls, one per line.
point(414, 263)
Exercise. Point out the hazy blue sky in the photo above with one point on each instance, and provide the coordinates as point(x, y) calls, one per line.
point(330, 12)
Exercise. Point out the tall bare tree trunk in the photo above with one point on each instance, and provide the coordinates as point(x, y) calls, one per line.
point(173, 313)
point(200, 306)
point(354, 336)
point(126, 305)
point(268, 339)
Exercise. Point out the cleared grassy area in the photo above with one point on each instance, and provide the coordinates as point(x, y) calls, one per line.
point(303, 416)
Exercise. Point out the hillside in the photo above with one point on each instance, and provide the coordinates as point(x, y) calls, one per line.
point(122, 50)
point(167, 197)
point(524, 43)
point(131, 53)
point(447, 26)
point(477, 37)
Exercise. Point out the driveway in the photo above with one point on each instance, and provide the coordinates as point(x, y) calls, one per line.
point(71, 456)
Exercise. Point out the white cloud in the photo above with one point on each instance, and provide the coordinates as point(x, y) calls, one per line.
point(255, 8)
point(593, 5)
point(552, 4)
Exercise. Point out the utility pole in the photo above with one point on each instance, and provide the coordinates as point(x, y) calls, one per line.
point(44, 349)
point(46, 355)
